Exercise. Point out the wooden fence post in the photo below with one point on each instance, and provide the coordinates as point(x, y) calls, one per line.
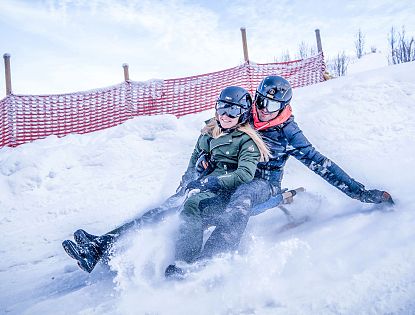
point(126, 73)
point(7, 74)
point(318, 38)
point(244, 44)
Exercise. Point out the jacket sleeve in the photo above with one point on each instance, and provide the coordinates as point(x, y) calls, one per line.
point(300, 148)
point(190, 173)
point(247, 162)
point(195, 153)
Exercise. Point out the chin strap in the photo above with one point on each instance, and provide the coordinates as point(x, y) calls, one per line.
point(281, 118)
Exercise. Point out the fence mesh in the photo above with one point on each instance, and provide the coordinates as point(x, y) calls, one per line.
point(5, 123)
point(25, 118)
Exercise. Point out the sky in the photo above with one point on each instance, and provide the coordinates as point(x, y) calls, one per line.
point(349, 258)
point(67, 46)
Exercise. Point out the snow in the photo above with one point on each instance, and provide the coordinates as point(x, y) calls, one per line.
point(367, 62)
point(348, 259)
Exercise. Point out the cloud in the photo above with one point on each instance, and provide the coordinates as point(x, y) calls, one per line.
point(157, 39)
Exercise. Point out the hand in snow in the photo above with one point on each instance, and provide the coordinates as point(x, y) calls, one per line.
point(376, 196)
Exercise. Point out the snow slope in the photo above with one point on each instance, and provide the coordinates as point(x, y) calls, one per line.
point(349, 259)
point(369, 61)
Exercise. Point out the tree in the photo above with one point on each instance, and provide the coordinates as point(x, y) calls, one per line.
point(305, 51)
point(359, 44)
point(401, 49)
point(285, 56)
point(338, 65)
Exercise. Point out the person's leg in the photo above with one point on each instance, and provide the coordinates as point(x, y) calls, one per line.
point(89, 248)
point(190, 240)
point(198, 212)
point(232, 223)
point(155, 215)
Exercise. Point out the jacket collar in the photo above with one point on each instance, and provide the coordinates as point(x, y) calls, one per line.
point(281, 118)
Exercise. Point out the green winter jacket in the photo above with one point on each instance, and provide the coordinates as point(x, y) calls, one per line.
point(235, 156)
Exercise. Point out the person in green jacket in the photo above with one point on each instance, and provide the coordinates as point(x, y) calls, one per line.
point(233, 149)
point(225, 156)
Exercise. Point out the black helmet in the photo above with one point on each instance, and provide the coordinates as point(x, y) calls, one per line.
point(234, 101)
point(274, 93)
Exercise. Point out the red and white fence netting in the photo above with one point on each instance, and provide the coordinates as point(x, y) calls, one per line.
point(24, 118)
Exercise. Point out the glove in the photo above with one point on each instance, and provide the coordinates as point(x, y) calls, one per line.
point(375, 196)
point(210, 183)
point(204, 165)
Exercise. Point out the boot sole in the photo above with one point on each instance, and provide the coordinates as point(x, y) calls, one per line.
point(67, 247)
point(81, 237)
point(70, 249)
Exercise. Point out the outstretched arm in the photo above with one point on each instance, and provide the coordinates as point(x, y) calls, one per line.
point(302, 150)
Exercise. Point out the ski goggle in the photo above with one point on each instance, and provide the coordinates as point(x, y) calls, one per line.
point(229, 109)
point(270, 105)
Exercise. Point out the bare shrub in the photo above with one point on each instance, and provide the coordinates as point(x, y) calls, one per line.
point(305, 51)
point(285, 56)
point(359, 44)
point(337, 66)
point(401, 49)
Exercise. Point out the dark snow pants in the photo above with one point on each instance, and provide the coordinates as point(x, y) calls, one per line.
point(198, 212)
point(229, 213)
point(171, 206)
point(231, 224)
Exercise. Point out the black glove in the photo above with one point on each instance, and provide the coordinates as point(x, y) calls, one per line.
point(210, 183)
point(375, 196)
point(204, 165)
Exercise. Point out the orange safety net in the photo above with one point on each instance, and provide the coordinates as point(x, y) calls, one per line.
point(24, 118)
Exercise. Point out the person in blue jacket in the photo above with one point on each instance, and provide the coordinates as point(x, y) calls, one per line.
point(272, 117)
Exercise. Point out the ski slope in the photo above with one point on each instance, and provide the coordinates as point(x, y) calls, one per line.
point(348, 259)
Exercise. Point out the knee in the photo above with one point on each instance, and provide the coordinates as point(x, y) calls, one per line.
point(191, 207)
point(252, 192)
point(244, 190)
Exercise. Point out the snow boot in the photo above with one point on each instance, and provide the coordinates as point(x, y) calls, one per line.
point(86, 255)
point(81, 237)
point(90, 253)
point(174, 272)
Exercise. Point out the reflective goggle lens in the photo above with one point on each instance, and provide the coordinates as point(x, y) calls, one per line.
point(270, 105)
point(228, 109)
